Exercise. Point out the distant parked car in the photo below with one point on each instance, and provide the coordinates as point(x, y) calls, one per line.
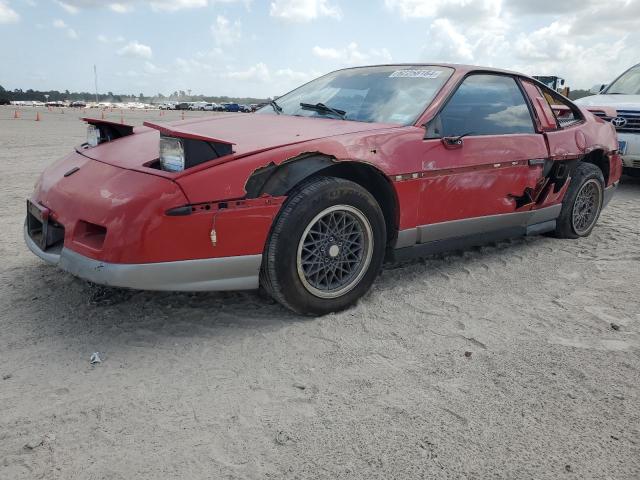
point(211, 107)
point(231, 107)
point(182, 106)
point(167, 106)
point(197, 106)
point(245, 108)
point(78, 104)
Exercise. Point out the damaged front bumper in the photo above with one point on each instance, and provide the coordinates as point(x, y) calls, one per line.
point(209, 274)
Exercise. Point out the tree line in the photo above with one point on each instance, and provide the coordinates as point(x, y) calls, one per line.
point(178, 96)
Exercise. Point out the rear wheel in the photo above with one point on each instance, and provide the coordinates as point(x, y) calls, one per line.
point(326, 247)
point(582, 203)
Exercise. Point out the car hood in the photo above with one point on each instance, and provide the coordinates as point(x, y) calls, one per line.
point(619, 102)
point(249, 134)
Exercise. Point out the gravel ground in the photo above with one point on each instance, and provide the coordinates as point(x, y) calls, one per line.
point(516, 360)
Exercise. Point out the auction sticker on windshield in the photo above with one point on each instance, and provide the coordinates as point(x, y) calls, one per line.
point(415, 74)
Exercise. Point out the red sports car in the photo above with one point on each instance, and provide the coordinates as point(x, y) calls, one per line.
point(308, 196)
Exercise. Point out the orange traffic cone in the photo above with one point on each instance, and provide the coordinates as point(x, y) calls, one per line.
point(121, 118)
point(16, 114)
point(102, 116)
point(37, 116)
point(183, 115)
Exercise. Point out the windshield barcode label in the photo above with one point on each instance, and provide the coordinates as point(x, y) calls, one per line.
point(415, 74)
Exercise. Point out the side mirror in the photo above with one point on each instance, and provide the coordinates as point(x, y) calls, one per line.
point(596, 89)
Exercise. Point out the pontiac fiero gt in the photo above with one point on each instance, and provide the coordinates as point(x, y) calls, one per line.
point(308, 196)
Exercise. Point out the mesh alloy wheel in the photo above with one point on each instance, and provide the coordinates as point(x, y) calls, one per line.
point(334, 251)
point(586, 207)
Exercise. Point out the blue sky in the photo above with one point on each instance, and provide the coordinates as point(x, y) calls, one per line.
point(264, 48)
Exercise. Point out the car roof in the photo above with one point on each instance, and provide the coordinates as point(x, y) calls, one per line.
point(459, 67)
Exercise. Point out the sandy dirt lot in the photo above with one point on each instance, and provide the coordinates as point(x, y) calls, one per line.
point(231, 386)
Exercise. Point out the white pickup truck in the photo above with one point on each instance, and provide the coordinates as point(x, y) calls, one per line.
point(623, 94)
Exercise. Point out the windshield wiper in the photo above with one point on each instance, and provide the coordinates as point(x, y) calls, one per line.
point(322, 108)
point(276, 107)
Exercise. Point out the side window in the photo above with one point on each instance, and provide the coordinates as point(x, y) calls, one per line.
point(485, 105)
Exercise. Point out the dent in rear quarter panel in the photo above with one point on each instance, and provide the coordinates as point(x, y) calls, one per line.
point(601, 135)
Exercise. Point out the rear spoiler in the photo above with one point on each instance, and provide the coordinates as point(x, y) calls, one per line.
point(178, 132)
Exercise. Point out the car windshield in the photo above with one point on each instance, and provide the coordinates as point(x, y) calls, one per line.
point(385, 94)
point(627, 84)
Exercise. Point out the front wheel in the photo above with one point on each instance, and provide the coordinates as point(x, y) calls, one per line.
point(582, 203)
point(326, 247)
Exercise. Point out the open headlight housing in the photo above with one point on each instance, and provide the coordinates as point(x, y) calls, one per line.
point(93, 135)
point(171, 154)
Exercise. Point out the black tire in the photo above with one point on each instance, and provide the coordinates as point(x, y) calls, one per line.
point(295, 252)
point(587, 179)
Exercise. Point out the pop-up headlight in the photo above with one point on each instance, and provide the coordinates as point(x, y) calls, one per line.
point(101, 131)
point(93, 135)
point(171, 154)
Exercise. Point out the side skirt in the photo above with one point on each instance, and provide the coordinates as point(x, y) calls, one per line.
point(462, 234)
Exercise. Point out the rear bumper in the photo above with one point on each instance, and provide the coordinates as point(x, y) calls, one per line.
point(209, 274)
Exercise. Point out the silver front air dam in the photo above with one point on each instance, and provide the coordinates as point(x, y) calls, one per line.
point(208, 274)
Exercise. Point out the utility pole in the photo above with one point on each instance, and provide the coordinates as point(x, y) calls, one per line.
point(95, 78)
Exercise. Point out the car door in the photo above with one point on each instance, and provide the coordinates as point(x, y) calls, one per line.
point(483, 161)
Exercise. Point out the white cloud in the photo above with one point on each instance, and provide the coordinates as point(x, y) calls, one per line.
point(291, 75)
point(256, 73)
point(449, 43)
point(225, 32)
point(472, 10)
point(125, 6)
point(304, 10)
point(152, 69)
point(59, 24)
point(584, 41)
point(7, 14)
point(106, 39)
point(135, 49)
point(68, 7)
point(554, 50)
point(190, 65)
point(173, 5)
point(352, 55)
point(121, 7)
